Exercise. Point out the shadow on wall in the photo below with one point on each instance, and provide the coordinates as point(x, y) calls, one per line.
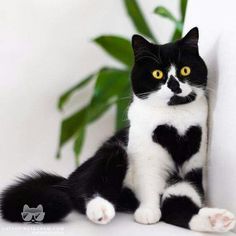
point(212, 88)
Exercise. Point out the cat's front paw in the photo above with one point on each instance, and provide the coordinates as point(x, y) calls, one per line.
point(146, 215)
point(100, 211)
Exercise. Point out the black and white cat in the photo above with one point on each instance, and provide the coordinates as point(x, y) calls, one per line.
point(155, 166)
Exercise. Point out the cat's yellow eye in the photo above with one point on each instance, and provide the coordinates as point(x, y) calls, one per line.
point(185, 71)
point(157, 74)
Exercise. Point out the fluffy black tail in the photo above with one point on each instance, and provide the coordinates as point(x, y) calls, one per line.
point(40, 197)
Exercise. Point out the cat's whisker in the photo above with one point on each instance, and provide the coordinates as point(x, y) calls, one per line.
point(146, 93)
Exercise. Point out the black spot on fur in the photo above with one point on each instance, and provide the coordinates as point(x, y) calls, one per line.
point(195, 178)
point(173, 178)
point(174, 85)
point(181, 148)
point(178, 210)
point(179, 100)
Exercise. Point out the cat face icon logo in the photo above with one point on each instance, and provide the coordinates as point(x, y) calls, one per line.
point(34, 215)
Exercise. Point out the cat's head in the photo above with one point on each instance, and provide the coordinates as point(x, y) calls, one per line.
point(170, 74)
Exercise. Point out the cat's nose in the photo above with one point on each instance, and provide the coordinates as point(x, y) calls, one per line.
point(174, 85)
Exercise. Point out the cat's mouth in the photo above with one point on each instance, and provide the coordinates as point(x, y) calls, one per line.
point(179, 100)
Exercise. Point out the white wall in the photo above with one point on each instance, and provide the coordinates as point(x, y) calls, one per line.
point(45, 47)
point(217, 23)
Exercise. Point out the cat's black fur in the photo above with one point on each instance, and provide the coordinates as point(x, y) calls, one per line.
point(105, 171)
point(180, 147)
point(178, 211)
point(38, 189)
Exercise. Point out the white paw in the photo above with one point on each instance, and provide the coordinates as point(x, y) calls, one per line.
point(100, 211)
point(145, 215)
point(217, 220)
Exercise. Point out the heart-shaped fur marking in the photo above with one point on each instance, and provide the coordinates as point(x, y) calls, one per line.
point(180, 147)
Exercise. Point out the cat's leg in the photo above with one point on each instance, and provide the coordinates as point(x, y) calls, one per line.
point(106, 183)
point(96, 185)
point(182, 205)
point(149, 180)
point(181, 200)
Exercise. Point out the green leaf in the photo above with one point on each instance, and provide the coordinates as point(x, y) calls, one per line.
point(117, 47)
point(162, 11)
point(109, 84)
point(78, 143)
point(96, 111)
point(176, 35)
point(66, 96)
point(70, 126)
point(183, 6)
point(137, 17)
point(122, 104)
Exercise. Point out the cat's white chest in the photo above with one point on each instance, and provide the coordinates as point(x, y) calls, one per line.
point(144, 119)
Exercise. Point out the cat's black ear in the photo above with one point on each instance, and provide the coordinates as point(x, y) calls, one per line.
point(139, 43)
point(191, 38)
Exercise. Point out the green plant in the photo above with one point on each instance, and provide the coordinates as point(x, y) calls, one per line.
point(112, 86)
